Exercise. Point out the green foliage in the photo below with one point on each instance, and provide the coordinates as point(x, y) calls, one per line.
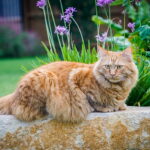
point(85, 56)
point(117, 2)
point(140, 14)
point(132, 14)
point(144, 32)
point(99, 21)
point(119, 42)
point(140, 95)
point(140, 39)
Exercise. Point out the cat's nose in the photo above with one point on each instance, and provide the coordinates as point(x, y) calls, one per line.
point(112, 73)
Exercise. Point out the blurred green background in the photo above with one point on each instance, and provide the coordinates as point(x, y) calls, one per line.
point(10, 73)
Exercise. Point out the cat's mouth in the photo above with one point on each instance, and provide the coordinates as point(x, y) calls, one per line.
point(111, 80)
point(114, 80)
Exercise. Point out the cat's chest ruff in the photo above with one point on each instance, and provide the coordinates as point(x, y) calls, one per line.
point(100, 95)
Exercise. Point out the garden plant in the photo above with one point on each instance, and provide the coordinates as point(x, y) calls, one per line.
point(117, 37)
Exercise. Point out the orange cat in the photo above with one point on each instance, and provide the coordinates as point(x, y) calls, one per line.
point(70, 91)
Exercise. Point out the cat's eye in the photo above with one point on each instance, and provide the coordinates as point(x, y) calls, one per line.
point(107, 66)
point(119, 66)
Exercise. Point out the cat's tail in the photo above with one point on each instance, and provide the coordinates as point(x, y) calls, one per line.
point(5, 104)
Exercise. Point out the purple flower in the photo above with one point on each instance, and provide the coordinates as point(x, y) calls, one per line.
point(102, 3)
point(61, 30)
point(66, 18)
point(131, 26)
point(102, 38)
point(68, 14)
point(41, 3)
point(70, 10)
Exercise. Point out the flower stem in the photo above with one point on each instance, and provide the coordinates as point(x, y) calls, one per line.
point(68, 38)
point(50, 30)
point(98, 26)
point(47, 30)
point(62, 38)
point(61, 5)
point(124, 24)
point(111, 33)
point(54, 23)
point(96, 11)
point(62, 10)
point(79, 30)
point(109, 26)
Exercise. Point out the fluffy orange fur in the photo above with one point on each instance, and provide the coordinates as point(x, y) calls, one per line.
point(69, 91)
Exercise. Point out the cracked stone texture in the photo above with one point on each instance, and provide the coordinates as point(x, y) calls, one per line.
point(123, 130)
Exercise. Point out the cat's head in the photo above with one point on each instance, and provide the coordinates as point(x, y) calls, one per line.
point(115, 66)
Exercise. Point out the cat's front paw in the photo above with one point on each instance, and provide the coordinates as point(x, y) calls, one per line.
point(123, 107)
point(106, 109)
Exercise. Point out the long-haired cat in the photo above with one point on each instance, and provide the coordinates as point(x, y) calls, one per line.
point(69, 91)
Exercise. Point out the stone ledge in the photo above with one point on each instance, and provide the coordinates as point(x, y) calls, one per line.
point(124, 130)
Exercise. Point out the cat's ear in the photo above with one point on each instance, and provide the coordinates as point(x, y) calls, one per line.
point(127, 53)
point(101, 51)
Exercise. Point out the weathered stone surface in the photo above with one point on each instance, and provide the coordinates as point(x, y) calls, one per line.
point(124, 130)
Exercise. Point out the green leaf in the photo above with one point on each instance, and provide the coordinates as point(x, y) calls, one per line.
point(122, 33)
point(144, 32)
point(140, 94)
point(99, 20)
point(132, 14)
point(145, 99)
point(24, 69)
point(117, 2)
point(119, 42)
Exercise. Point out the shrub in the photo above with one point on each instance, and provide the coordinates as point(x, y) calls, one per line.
point(140, 95)
point(14, 44)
